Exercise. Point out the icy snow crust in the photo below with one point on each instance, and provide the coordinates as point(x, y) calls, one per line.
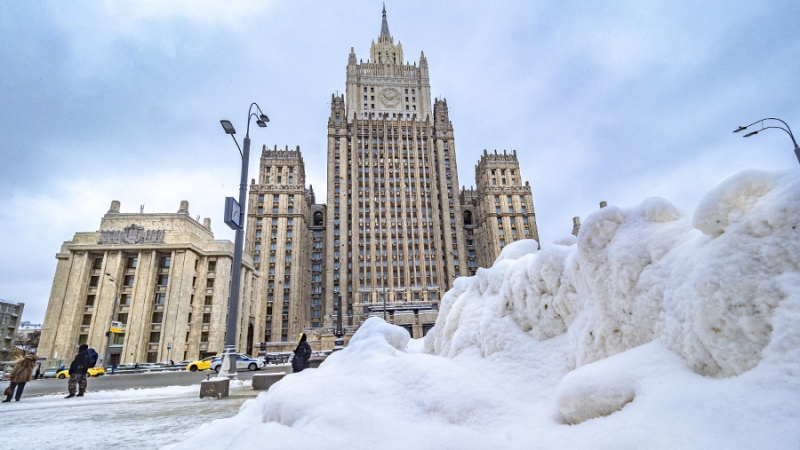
point(652, 329)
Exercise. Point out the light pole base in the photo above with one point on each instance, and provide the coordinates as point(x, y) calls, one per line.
point(228, 366)
point(338, 344)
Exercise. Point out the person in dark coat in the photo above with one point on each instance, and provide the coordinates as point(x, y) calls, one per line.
point(301, 354)
point(77, 371)
point(20, 374)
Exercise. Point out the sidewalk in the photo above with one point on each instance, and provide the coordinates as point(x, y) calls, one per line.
point(119, 419)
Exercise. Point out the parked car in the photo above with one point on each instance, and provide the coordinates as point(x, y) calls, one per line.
point(92, 372)
point(203, 364)
point(242, 362)
point(50, 373)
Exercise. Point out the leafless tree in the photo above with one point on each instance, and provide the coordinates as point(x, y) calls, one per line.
point(27, 343)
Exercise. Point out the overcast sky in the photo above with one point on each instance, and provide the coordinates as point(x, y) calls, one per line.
point(615, 101)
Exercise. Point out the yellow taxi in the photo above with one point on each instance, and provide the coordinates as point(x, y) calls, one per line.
point(203, 364)
point(92, 372)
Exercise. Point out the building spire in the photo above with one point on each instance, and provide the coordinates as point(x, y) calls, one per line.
point(384, 23)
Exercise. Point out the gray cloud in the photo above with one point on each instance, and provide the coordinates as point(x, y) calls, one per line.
point(602, 101)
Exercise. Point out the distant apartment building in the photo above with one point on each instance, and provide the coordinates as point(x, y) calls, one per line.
point(26, 329)
point(10, 313)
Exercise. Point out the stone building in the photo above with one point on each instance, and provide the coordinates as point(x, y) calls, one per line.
point(10, 313)
point(279, 236)
point(500, 209)
point(395, 231)
point(172, 279)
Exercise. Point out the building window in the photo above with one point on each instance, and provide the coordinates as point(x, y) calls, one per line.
point(204, 336)
point(163, 280)
point(131, 262)
point(155, 336)
point(158, 317)
point(160, 299)
point(125, 299)
point(94, 281)
point(212, 266)
point(90, 300)
point(165, 262)
point(206, 318)
point(209, 300)
point(87, 320)
point(210, 283)
point(128, 280)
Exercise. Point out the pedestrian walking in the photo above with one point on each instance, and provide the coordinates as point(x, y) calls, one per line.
point(301, 354)
point(77, 372)
point(20, 374)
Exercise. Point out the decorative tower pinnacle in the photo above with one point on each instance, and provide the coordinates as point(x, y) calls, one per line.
point(384, 51)
point(384, 24)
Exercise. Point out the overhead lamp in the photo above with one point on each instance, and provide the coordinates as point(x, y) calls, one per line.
point(228, 126)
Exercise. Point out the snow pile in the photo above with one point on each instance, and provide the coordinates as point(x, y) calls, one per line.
point(652, 329)
point(708, 286)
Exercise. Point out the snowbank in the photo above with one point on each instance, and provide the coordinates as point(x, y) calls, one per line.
point(652, 329)
point(707, 286)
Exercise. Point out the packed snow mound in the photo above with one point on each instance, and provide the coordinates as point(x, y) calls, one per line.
point(707, 286)
point(652, 329)
point(517, 250)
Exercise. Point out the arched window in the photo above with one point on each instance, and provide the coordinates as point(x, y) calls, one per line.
point(467, 218)
point(317, 219)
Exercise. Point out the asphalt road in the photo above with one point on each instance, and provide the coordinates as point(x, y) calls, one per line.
point(137, 380)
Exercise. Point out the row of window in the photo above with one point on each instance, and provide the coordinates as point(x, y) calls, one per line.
point(372, 89)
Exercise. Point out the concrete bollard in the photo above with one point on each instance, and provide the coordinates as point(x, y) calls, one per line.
point(214, 388)
point(262, 381)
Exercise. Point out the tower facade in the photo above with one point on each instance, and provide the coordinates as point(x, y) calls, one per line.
point(279, 236)
point(502, 206)
point(396, 231)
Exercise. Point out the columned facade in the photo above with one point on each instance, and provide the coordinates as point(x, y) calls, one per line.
point(172, 282)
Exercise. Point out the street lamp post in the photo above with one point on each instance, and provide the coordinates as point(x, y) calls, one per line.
point(787, 130)
point(110, 320)
point(228, 368)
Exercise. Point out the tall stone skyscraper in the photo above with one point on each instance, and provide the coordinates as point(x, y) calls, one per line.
point(396, 231)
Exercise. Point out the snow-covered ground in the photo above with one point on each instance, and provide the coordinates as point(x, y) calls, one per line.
point(653, 329)
point(121, 419)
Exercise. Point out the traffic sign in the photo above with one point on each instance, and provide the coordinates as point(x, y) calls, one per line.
point(233, 214)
